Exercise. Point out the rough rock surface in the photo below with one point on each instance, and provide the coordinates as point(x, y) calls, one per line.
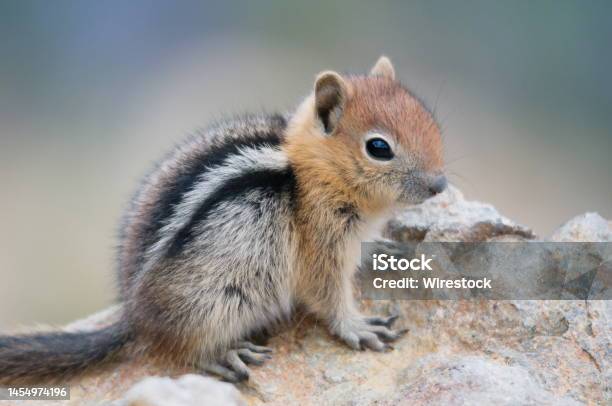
point(586, 227)
point(187, 390)
point(449, 217)
point(456, 352)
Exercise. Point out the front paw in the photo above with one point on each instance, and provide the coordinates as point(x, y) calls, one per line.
point(368, 332)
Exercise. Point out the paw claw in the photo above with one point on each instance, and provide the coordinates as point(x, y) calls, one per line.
point(255, 348)
point(224, 373)
point(370, 332)
point(382, 321)
point(391, 320)
point(252, 357)
point(233, 366)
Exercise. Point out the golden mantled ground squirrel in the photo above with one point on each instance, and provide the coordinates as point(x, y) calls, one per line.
point(243, 222)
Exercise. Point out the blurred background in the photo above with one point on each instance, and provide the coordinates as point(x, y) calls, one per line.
point(92, 92)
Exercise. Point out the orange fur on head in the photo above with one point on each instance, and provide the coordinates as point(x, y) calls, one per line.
point(379, 103)
point(325, 141)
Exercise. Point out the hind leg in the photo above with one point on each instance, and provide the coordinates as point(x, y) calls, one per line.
point(226, 348)
point(208, 330)
point(232, 366)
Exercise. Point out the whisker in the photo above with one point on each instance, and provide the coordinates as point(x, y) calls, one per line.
point(472, 185)
point(435, 108)
point(455, 160)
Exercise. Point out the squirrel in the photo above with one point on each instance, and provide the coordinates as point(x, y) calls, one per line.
point(245, 221)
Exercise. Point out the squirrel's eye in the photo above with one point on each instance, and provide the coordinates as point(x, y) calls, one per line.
point(379, 149)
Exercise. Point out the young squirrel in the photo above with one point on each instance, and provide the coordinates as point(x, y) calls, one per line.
point(239, 224)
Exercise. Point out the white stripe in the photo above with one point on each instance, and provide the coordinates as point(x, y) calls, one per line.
point(245, 161)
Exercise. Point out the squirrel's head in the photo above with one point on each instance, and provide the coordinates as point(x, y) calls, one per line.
point(369, 137)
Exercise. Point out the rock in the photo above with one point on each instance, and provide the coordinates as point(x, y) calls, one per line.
point(449, 217)
point(586, 227)
point(187, 390)
point(472, 380)
point(455, 352)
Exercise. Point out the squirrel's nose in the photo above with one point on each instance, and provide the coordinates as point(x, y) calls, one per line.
point(438, 184)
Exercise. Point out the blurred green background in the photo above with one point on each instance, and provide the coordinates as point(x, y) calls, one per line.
point(92, 92)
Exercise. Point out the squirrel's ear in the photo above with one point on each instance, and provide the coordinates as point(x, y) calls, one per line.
point(331, 93)
point(384, 68)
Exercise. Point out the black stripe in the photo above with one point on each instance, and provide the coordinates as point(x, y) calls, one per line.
point(233, 291)
point(192, 168)
point(272, 181)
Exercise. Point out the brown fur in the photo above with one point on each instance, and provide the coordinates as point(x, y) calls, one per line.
point(332, 168)
point(333, 174)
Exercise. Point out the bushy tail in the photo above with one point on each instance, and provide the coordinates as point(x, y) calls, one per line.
point(41, 357)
